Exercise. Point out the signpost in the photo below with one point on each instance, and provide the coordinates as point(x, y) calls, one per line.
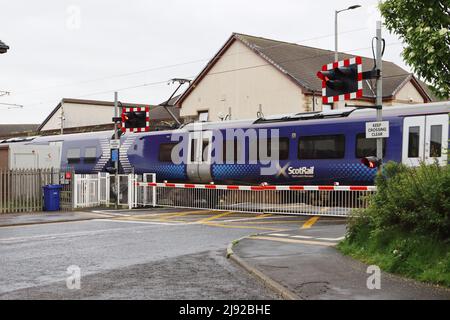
point(378, 129)
point(114, 144)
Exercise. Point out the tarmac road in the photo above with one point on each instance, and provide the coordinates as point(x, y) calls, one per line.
point(180, 254)
point(123, 259)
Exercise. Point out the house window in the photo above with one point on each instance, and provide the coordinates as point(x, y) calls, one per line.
point(203, 116)
point(73, 156)
point(321, 147)
point(90, 155)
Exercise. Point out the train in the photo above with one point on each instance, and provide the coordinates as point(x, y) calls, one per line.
point(314, 148)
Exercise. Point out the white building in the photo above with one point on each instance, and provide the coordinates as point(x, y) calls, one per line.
point(251, 74)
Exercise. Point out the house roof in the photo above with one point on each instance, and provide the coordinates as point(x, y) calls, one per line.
point(301, 63)
point(6, 129)
point(157, 113)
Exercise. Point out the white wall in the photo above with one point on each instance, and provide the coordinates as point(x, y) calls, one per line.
point(243, 90)
point(80, 115)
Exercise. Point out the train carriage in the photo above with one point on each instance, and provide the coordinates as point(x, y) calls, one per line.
point(310, 148)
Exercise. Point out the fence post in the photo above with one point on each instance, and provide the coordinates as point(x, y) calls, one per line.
point(75, 191)
point(154, 190)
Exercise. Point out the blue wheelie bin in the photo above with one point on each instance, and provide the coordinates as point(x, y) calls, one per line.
point(51, 197)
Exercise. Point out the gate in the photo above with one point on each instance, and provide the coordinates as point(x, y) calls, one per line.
point(301, 200)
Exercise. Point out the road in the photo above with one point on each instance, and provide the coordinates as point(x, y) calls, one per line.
point(178, 254)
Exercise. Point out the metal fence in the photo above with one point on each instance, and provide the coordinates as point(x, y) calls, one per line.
point(21, 189)
point(304, 200)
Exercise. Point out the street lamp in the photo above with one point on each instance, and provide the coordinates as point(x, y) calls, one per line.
point(3, 47)
point(336, 56)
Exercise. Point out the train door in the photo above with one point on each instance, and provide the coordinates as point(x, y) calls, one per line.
point(199, 156)
point(424, 139)
point(436, 138)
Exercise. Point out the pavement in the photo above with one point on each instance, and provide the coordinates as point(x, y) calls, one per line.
point(306, 263)
point(164, 253)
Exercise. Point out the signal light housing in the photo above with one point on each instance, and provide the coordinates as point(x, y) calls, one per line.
point(341, 80)
point(135, 119)
point(371, 162)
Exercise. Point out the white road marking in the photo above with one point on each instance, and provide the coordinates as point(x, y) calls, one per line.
point(279, 234)
point(302, 237)
point(143, 222)
point(331, 239)
point(80, 233)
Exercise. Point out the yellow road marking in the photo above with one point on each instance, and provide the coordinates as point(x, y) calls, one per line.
point(160, 215)
point(309, 223)
point(217, 216)
point(267, 222)
point(318, 243)
point(211, 224)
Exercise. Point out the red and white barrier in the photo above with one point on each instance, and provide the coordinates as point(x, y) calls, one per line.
point(256, 188)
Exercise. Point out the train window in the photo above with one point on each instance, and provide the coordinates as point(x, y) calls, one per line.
point(321, 147)
point(413, 142)
point(436, 141)
point(90, 155)
point(205, 149)
point(233, 157)
point(367, 147)
point(165, 152)
point(283, 149)
point(73, 156)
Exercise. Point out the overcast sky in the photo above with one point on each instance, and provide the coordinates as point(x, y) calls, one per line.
point(88, 49)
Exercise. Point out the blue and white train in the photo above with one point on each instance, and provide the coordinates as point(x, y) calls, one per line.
point(314, 148)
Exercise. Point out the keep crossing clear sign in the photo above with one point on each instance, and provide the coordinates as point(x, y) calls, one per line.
point(378, 129)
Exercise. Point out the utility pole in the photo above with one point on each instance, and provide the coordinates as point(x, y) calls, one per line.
point(116, 161)
point(336, 12)
point(379, 98)
point(62, 117)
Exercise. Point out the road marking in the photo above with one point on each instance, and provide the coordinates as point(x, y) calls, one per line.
point(332, 239)
point(317, 243)
point(217, 216)
point(308, 224)
point(280, 234)
point(211, 224)
point(302, 237)
point(139, 222)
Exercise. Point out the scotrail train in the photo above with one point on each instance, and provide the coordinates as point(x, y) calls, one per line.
point(313, 148)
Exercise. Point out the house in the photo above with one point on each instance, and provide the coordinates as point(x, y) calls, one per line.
point(250, 74)
point(78, 115)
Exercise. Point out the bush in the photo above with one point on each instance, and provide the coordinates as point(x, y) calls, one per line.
point(410, 200)
point(406, 228)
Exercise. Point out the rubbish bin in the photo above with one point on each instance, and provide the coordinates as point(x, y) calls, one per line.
point(51, 197)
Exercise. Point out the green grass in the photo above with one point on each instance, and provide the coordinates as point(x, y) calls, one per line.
point(414, 256)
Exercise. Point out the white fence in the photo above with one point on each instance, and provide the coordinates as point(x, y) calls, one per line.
point(104, 190)
point(303, 200)
point(137, 191)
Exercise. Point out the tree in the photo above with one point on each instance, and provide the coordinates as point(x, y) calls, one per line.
point(424, 28)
